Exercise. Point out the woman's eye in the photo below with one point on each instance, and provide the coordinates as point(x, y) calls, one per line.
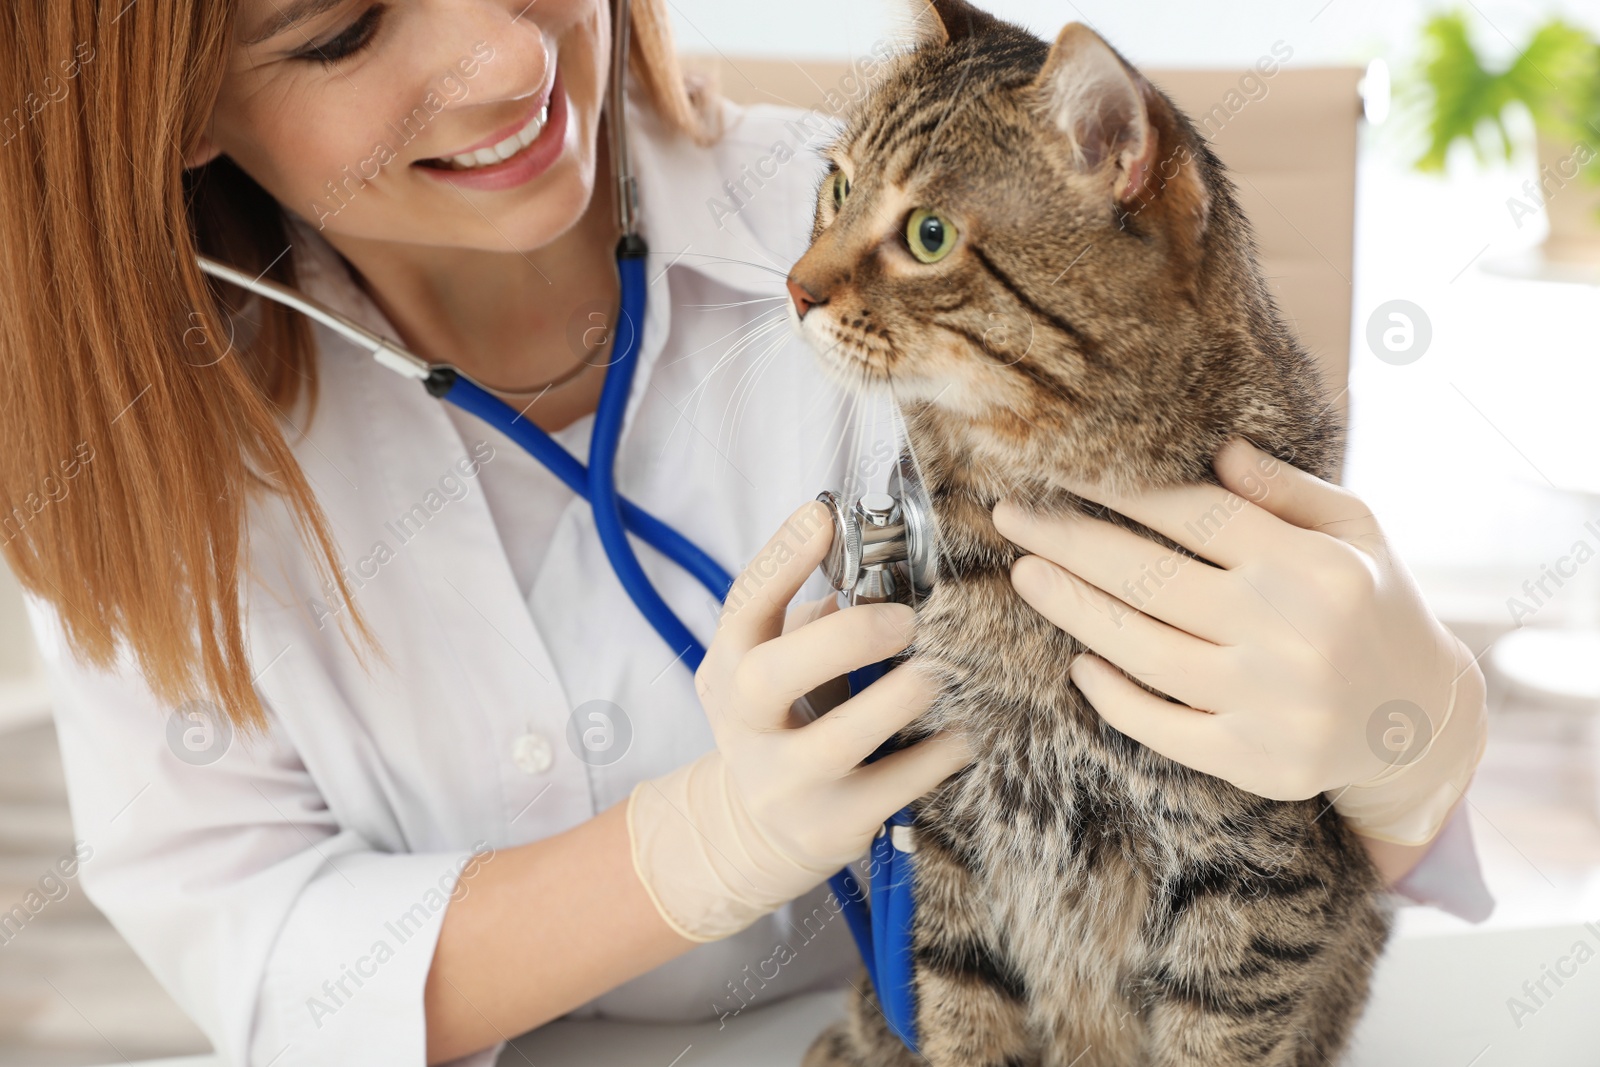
point(930, 235)
point(347, 42)
point(841, 189)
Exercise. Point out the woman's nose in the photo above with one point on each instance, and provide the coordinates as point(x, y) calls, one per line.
point(514, 49)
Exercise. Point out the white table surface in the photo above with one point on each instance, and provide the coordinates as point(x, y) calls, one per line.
point(1439, 1000)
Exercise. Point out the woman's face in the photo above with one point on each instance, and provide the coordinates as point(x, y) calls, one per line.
point(419, 121)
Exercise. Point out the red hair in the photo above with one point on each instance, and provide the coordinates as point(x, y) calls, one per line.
point(129, 443)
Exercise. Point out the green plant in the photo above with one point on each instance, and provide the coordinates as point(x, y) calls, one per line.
point(1556, 77)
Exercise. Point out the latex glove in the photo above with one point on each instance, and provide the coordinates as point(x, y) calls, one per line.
point(1299, 643)
point(780, 804)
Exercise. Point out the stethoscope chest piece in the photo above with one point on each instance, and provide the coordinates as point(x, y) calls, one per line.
point(884, 544)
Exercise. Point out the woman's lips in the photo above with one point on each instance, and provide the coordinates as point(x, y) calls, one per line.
point(498, 151)
point(524, 165)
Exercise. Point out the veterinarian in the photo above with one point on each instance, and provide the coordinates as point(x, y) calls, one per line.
point(350, 702)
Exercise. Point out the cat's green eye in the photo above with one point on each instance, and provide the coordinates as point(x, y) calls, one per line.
point(930, 235)
point(841, 189)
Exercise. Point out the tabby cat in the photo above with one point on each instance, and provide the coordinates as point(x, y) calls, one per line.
point(1039, 255)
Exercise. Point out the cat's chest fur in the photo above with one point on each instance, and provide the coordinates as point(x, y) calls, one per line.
point(1053, 783)
point(1080, 838)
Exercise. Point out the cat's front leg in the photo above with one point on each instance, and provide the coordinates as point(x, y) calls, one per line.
point(862, 1038)
point(1256, 966)
point(972, 1004)
point(972, 1001)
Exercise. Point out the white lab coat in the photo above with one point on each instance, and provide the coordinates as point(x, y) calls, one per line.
point(289, 894)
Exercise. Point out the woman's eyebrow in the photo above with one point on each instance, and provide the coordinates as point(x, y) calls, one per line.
point(286, 16)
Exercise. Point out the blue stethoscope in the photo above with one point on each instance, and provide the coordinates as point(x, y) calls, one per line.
point(876, 551)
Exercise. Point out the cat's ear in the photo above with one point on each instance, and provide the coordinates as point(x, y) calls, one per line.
point(1092, 96)
point(935, 23)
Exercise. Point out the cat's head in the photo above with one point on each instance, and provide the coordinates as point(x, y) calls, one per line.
point(1030, 241)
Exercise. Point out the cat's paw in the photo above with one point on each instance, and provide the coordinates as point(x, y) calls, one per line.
point(832, 1048)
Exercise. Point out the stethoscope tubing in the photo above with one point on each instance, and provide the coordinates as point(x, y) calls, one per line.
point(604, 440)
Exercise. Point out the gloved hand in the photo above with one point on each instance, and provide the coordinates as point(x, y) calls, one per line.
point(780, 804)
point(1299, 643)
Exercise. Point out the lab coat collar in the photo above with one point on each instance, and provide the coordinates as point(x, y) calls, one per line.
point(684, 204)
point(321, 273)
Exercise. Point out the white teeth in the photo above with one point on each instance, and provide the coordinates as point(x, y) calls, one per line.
point(524, 137)
point(509, 147)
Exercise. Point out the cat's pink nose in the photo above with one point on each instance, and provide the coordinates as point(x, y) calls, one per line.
point(803, 300)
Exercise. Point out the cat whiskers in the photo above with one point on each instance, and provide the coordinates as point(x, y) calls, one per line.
point(764, 316)
point(725, 259)
point(753, 373)
point(757, 328)
point(856, 372)
point(735, 303)
point(857, 348)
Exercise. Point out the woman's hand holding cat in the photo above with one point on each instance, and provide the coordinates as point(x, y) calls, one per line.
point(780, 803)
point(1301, 649)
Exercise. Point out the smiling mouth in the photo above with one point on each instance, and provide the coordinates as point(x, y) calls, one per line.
point(496, 153)
point(504, 149)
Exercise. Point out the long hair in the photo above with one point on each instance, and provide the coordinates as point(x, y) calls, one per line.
point(132, 433)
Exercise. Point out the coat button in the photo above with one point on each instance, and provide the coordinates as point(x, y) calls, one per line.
point(532, 753)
